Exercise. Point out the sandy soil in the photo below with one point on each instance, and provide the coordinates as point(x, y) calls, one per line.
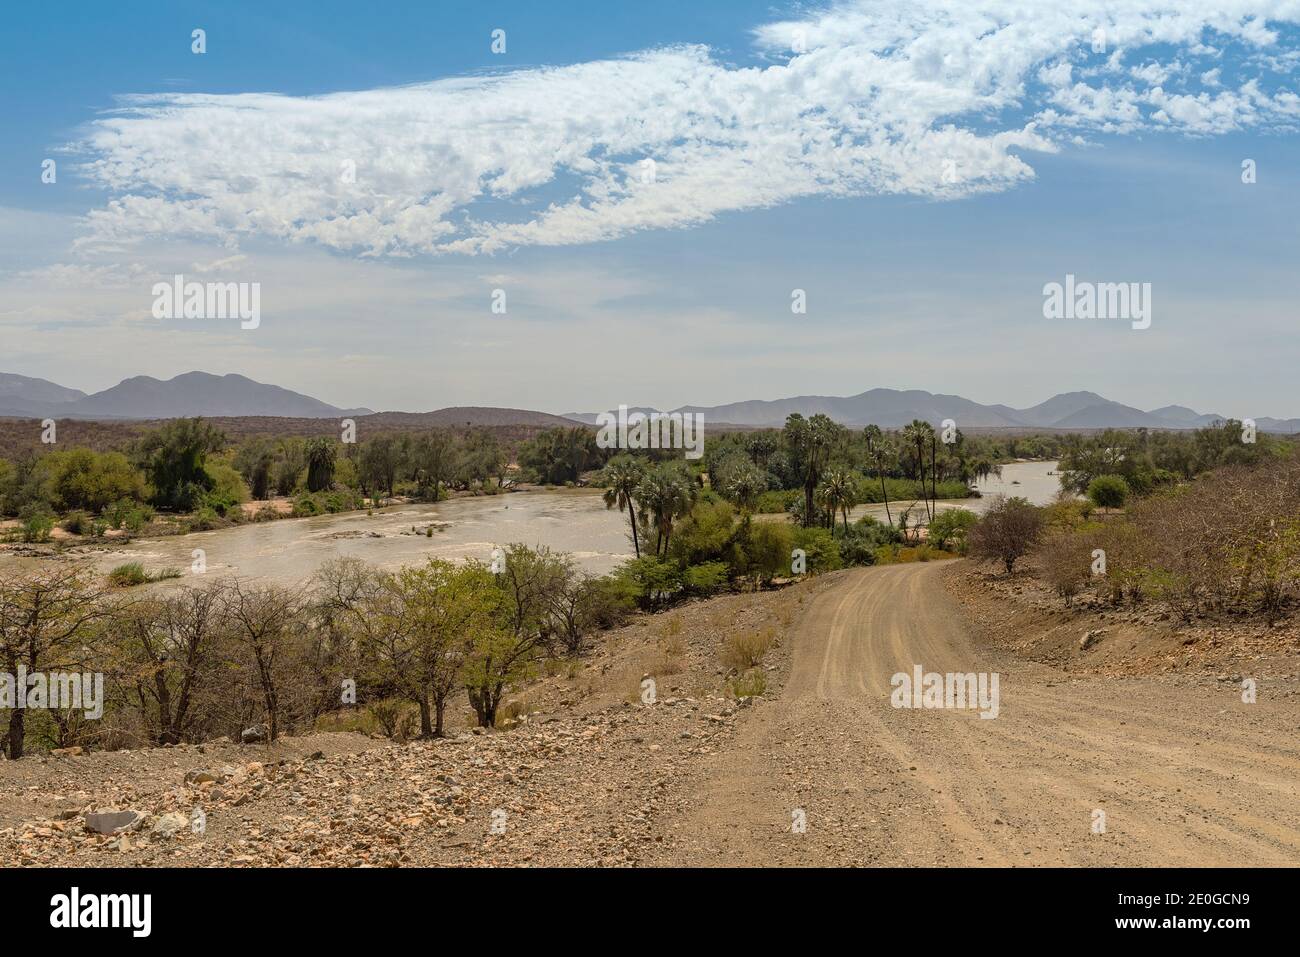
point(1184, 771)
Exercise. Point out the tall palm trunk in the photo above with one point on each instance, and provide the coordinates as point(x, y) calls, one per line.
point(934, 479)
point(920, 467)
point(636, 546)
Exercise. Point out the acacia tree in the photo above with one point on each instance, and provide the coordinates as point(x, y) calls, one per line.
point(417, 628)
point(1008, 530)
point(174, 458)
point(262, 618)
point(448, 608)
point(46, 618)
point(560, 455)
point(502, 645)
point(380, 460)
point(255, 461)
point(433, 459)
point(167, 644)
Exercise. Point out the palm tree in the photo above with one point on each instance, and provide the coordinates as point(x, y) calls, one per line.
point(982, 468)
point(934, 476)
point(838, 493)
point(622, 475)
point(811, 442)
point(761, 447)
point(881, 452)
point(664, 495)
point(745, 487)
point(320, 464)
point(918, 432)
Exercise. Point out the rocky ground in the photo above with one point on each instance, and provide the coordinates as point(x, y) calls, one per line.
point(583, 778)
point(1087, 635)
point(1119, 711)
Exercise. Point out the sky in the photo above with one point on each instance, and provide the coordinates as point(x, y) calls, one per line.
point(646, 191)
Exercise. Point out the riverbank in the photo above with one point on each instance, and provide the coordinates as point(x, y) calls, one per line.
point(467, 526)
point(289, 550)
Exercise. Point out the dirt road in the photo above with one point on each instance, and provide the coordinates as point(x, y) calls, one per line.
point(1183, 775)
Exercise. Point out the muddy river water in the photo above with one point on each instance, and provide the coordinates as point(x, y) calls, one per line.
point(574, 521)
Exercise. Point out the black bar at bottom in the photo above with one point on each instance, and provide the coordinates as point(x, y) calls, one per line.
point(335, 907)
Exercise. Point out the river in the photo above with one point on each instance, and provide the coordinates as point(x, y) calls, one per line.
point(568, 520)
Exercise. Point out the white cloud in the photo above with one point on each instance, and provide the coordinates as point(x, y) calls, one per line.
point(218, 264)
point(890, 96)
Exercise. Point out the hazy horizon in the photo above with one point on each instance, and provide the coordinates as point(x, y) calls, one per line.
point(920, 171)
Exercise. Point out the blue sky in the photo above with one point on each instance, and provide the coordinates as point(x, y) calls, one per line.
point(777, 169)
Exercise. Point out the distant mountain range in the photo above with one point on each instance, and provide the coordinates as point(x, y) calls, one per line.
point(144, 397)
point(200, 393)
point(891, 408)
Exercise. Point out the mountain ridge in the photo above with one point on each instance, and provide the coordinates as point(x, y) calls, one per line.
point(144, 397)
point(224, 396)
point(893, 408)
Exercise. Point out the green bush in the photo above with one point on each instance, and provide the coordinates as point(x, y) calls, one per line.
point(705, 579)
point(228, 490)
point(76, 522)
point(703, 535)
point(128, 515)
point(858, 543)
point(821, 548)
point(36, 522)
point(652, 580)
point(205, 519)
point(1108, 491)
point(87, 480)
point(761, 550)
point(336, 500)
point(950, 527)
point(133, 573)
point(776, 502)
point(125, 576)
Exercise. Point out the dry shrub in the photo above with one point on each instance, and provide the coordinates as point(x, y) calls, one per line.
point(397, 719)
point(673, 646)
point(1230, 539)
point(513, 711)
point(749, 685)
point(1065, 558)
point(670, 628)
point(746, 649)
point(1007, 531)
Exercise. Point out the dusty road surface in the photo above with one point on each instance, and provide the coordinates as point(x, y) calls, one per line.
point(1185, 775)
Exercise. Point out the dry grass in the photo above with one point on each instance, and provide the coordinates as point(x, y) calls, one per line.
point(744, 650)
point(749, 685)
